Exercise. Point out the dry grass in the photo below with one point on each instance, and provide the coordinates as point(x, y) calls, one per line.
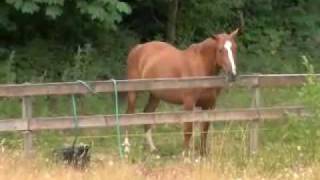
point(12, 167)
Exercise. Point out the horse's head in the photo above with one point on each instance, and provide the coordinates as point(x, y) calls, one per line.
point(226, 51)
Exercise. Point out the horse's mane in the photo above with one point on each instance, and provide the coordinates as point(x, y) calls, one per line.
point(197, 47)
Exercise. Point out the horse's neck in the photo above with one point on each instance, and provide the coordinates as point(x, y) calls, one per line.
point(206, 52)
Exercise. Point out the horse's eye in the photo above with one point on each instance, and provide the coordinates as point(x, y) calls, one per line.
point(220, 50)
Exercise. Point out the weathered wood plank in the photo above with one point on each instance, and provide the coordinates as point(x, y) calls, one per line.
point(107, 86)
point(16, 90)
point(42, 123)
point(161, 118)
point(27, 116)
point(13, 125)
point(277, 80)
point(254, 125)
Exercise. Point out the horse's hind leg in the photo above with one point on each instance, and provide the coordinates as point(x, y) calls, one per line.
point(130, 110)
point(132, 96)
point(151, 106)
point(204, 133)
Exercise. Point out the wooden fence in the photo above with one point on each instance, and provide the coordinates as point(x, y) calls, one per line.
point(27, 124)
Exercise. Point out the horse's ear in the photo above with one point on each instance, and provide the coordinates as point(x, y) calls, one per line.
point(234, 33)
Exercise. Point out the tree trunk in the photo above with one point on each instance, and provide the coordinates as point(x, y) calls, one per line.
point(172, 20)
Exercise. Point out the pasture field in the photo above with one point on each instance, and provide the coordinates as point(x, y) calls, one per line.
point(12, 168)
point(288, 148)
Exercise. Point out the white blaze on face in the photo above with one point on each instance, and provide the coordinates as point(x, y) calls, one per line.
point(227, 46)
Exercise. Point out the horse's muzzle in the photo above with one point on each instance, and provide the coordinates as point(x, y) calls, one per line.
point(232, 77)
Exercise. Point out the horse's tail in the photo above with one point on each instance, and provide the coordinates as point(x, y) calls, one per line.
point(133, 62)
point(133, 72)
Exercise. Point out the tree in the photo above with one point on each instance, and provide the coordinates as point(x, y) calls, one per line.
point(172, 20)
point(18, 18)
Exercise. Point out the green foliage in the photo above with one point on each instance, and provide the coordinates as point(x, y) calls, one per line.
point(310, 91)
point(45, 34)
point(309, 132)
point(275, 33)
point(82, 60)
point(41, 60)
point(103, 10)
point(71, 22)
point(53, 11)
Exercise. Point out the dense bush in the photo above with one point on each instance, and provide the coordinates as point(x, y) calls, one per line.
point(54, 40)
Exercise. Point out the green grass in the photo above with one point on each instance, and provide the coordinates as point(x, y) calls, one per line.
point(288, 142)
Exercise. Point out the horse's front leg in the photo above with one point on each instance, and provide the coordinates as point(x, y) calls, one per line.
point(130, 110)
point(187, 128)
point(204, 132)
point(203, 141)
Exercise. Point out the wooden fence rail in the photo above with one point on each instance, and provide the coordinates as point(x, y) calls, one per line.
point(102, 121)
point(277, 80)
point(27, 123)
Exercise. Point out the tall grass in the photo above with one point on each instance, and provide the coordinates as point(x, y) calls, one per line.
point(13, 167)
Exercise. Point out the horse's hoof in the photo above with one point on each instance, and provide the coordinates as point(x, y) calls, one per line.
point(186, 153)
point(154, 151)
point(186, 156)
point(157, 156)
point(198, 160)
point(187, 160)
point(203, 154)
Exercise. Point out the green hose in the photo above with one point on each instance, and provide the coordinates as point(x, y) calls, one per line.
point(75, 113)
point(85, 84)
point(117, 116)
point(116, 111)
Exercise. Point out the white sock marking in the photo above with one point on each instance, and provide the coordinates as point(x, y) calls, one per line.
point(227, 46)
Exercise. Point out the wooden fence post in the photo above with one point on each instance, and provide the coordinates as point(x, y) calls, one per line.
point(26, 116)
point(254, 125)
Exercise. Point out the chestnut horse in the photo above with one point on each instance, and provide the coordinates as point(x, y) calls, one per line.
point(161, 60)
